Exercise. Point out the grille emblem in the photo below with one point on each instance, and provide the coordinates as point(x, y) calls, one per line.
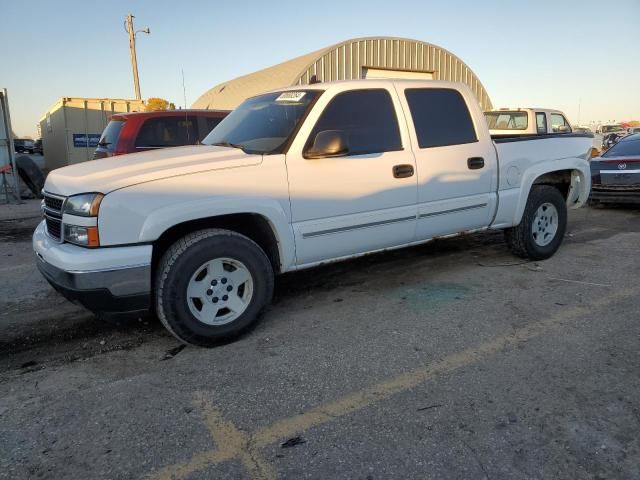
point(622, 166)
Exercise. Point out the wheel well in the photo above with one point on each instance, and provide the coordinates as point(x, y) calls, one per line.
point(251, 225)
point(560, 179)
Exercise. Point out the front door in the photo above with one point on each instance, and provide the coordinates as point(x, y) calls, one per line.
point(363, 200)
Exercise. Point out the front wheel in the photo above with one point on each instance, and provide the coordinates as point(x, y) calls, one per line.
point(543, 224)
point(211, 286)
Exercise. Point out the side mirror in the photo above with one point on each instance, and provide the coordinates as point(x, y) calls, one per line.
point(328, 143)
point(564, 129)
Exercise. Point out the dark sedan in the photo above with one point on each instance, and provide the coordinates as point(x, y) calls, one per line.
point(615, 176)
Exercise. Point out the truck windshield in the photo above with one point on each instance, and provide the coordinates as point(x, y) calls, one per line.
point(507, 120)
point(263, 124)
point(109, 138)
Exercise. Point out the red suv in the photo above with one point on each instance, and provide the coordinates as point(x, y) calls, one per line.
point(136, 132)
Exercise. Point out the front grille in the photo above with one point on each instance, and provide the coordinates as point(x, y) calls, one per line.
point(52, 209)
point(54, 203)
point(54, 227)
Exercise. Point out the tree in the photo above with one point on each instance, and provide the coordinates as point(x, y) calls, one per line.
point(155, 103)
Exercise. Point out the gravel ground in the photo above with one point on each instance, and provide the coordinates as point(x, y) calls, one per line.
point(449, 360)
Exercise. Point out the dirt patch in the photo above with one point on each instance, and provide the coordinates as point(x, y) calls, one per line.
point(16, 230)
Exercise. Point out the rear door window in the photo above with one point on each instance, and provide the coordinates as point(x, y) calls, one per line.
point(366, 117)
point(541, 123)
point(168, 132)
point(109, 139)
point(440, 117)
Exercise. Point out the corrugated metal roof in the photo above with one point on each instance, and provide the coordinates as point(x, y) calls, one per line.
point(345, 61)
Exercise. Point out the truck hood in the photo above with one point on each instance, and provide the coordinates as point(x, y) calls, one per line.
point(109, 174)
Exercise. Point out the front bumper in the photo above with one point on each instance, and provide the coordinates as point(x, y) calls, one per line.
point(105, 280)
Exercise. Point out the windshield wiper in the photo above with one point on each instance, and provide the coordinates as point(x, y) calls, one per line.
point(228, 144)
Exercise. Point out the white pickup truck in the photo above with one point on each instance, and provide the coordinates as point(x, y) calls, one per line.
point(292, 179)
point(507, 122)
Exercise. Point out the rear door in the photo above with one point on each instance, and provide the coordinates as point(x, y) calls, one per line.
point(455, 160)
point(362, 201)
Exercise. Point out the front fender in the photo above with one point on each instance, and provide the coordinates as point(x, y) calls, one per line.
point(141, 213)
point(160, 220)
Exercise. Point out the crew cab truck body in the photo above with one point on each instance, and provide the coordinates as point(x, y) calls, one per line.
point(509, 122)
point(293, 179)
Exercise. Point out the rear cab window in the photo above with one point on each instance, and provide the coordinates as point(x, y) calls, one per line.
point(440, 117)
point(109, 139)
point(507, 120)
point(170, 131)
point(366, 117)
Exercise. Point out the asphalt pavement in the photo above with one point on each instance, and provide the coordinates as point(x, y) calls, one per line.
point(450, 360)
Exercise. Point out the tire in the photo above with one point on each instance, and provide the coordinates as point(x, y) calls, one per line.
point(30, 174)
point(543, 243)
point(186, 265)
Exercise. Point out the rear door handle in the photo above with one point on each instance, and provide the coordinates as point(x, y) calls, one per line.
point(403, 171)
point(475, 163)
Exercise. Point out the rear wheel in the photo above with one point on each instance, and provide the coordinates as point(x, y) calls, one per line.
point(211, 286)
point(543, 224)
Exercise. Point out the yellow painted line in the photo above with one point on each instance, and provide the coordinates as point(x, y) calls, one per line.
point(229, 446)
point(230, 443)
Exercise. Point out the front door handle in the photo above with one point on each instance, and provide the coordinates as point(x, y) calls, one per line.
point(403, 171)
point(475, 163)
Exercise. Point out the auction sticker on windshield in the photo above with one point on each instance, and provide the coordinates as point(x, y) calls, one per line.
point(290, 96)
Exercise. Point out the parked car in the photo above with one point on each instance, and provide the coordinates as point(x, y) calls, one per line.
point(610, 128)
point(526, 121)
point(37, 147)
point(293, 179)
point(632, 130)
point(615, 175)
point(23, 145)
point(610, 139)
point(137, 132)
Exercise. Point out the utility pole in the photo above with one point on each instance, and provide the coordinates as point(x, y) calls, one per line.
point(132, 49)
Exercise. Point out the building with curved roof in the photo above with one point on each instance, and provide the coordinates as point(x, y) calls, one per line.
point(373, 57)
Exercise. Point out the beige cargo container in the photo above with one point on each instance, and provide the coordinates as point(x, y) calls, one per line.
point(72, 127)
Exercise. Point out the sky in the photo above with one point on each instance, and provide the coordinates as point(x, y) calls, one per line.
point(577, 56)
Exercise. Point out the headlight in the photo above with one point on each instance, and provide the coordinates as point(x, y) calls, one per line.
point(83, 205)
point(86, 236)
